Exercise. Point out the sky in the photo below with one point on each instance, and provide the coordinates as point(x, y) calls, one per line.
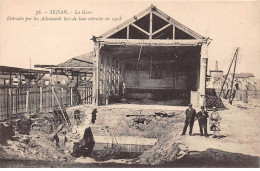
point(230, 24)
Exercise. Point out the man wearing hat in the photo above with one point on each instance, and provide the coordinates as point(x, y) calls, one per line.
point(189, 120)
point(202, 119)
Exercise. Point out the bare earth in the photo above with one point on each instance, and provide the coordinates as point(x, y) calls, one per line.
point(238, 147)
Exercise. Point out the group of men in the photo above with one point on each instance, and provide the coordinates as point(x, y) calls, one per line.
point(190, 118)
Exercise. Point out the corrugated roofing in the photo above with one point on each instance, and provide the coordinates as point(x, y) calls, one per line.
point(85, 60)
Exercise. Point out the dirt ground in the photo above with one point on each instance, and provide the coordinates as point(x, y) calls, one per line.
point(238, 147)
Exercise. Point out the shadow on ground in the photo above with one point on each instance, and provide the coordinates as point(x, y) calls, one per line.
point(207, 159)
point(216, 158)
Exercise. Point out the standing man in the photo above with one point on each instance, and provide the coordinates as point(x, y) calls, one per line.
point(214, 122)
point(189, 120)
point(202, 119)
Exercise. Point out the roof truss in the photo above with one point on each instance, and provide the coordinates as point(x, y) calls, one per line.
point(149, 33)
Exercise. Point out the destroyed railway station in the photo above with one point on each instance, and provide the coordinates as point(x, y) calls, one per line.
point(155, 56)
point(125, 100)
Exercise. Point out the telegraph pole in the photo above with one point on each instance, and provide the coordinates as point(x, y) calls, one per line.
point(235, 55)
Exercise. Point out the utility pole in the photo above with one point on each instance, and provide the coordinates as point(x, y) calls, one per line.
point(230, 97)
point(228, 72)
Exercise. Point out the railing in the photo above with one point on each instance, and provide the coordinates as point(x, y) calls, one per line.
point(14, 101)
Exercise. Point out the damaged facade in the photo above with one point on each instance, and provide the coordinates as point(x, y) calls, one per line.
point(155, 56)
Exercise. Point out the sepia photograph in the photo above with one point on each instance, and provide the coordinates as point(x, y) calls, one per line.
point(129, 84)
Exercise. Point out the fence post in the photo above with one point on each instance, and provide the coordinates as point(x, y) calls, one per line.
point(13, 100)
point(41, 99)
point(71, 96)
point(62, 96)
point(52, 97)
point(10, 102)
point(27, 101)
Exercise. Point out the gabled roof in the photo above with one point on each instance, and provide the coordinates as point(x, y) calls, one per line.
point(7, 69)
point(85, 60)
point(151, 23)
point(242, 75)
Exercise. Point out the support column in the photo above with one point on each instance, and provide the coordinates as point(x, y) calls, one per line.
point(41, 100)
point(203, 74)
point(52, 97)
point(11, 104)
point(96, 67)
point(110, 74)
point(151, 25)
point(27, 101)
point(105, 79)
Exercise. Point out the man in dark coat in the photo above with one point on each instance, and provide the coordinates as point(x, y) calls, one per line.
point(189, 120)
point(202, 119)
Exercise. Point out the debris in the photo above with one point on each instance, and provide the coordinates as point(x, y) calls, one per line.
point(56, 139)
point(212, 101)
point(94, 116)
point(85, 146)
point(24, 140)
point(236, 104)
point(141, 120)
point(56, 131)
point(50, 140)
point(6, 132)
point(24, 126)
point(40, 125)
point(63, 114)
point(165, 114)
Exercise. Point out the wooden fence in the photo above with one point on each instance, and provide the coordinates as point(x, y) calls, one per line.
point(15, 101)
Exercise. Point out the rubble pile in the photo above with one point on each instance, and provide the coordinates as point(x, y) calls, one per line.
point(212, 99)
point(141, 120)
point(46, 137)
point(253, 103)
point(6, 132)
point(236, 104)
point(167, 149)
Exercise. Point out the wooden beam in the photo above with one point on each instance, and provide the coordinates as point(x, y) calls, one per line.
point(105, 76)
point(110, 73)
point(137, 75)
point(98, 75)
point(126, 23)
point(101, 75)
point(96, 67)
point(43, 66)
point(142, 30)
point(82, 60)
point(173, 31)
point(114, 73)
point(177, 24)
point(151, 25)
point(127, 32)
point(153, 42)
point(57, 67)
point(164, 27)
point(118, 73)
